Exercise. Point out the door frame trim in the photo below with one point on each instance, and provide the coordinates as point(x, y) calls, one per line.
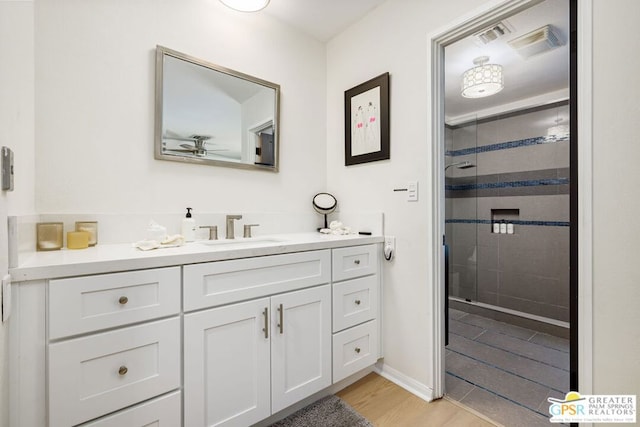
point(435, 73)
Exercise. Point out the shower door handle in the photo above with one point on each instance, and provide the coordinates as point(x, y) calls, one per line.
point(446, 294)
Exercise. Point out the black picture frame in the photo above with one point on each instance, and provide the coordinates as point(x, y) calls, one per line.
point(366, 121)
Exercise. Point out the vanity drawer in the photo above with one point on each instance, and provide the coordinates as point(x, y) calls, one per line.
point(355, 261)
point(102, 373)
point(165, 411)
point(223, 282)
point(354, 301)
point(354, 349)
point(90, 303)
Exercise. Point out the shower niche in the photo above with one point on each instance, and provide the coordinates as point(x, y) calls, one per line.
point(503, 220)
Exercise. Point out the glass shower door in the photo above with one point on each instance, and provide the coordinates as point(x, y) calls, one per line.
point(461, 210)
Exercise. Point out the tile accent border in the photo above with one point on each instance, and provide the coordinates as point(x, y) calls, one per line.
point(504, 146)
point(543, 182)
point(514, 222)
point(508, 184)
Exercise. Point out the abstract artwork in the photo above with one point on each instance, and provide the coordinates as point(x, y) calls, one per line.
point(367, 121)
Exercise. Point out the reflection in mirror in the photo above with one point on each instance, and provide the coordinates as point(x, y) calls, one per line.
point(213, 115)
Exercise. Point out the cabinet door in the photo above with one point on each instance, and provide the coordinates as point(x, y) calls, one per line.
point(300, 345)
point(226, 365)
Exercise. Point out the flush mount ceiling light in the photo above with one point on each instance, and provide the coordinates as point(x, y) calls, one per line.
point(246, 5)
point(483, 79)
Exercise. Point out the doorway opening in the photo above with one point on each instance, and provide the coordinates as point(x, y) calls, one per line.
point(507, 174)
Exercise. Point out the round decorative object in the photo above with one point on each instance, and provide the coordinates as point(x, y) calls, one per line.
point(324, 204)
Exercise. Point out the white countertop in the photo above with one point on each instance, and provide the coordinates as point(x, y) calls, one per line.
point(123, 257)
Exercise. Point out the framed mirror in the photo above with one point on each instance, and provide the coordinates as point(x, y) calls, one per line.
point(212, 115)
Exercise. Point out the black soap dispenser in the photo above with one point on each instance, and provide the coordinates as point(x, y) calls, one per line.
point(189, 227)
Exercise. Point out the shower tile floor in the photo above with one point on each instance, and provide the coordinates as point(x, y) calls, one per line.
point(503, 371)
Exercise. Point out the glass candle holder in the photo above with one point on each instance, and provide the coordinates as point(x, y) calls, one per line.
point(49, 236)
point(90, 227)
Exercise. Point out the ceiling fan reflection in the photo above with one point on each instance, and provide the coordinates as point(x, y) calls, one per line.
point(198, 149)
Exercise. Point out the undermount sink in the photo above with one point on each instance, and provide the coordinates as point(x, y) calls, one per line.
point(249, 241)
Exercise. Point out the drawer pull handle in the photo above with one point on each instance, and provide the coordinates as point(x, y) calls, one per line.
point(357, 350)
point(123, 300)
point(356, 262)
point(123, 370)
point(281, 313)
point(357, 302)
point(265, 313)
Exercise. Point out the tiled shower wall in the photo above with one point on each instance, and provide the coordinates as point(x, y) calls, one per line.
point(522, 175)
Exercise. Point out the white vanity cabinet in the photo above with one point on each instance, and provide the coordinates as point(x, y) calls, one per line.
point(226, 340)
point(247, 360)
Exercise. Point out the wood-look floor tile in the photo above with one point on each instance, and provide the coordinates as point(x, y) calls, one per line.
point(385, 404)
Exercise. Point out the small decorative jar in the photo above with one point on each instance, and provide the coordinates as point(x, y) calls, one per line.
point(90, 227)
point(49, 236)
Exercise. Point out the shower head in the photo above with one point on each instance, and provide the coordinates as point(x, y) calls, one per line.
point(461, 165)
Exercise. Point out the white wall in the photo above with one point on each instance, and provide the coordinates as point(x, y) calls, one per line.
point(95, 98)
point(616, 196)
point(16, 132)
point(393, 38)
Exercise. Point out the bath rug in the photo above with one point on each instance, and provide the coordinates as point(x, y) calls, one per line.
point(330, 411)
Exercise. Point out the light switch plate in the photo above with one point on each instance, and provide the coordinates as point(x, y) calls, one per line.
point(6, 297)
point(412, 191)
point(7, 168)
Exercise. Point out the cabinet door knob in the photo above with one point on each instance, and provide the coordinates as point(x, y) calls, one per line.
point(123, 300)
point(123, 370)
point(357, 350)
point(356, 262)
point(357, 302)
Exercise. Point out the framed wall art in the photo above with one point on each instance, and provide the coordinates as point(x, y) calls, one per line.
point(366, 119)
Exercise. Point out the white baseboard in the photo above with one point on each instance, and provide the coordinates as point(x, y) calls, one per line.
point(411, 385)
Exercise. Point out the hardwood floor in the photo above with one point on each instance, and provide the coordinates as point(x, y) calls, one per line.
point(386, 404)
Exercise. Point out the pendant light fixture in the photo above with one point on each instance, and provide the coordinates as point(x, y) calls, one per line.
point(558, 132)
point(246, 5)
point(483, 79)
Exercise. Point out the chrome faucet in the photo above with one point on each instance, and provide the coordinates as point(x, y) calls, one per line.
point(247, 230)
point(231, 225)
point(213, 231)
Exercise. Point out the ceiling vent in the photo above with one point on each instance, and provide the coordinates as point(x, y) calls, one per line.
point(538, 41)
point(493, 33)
